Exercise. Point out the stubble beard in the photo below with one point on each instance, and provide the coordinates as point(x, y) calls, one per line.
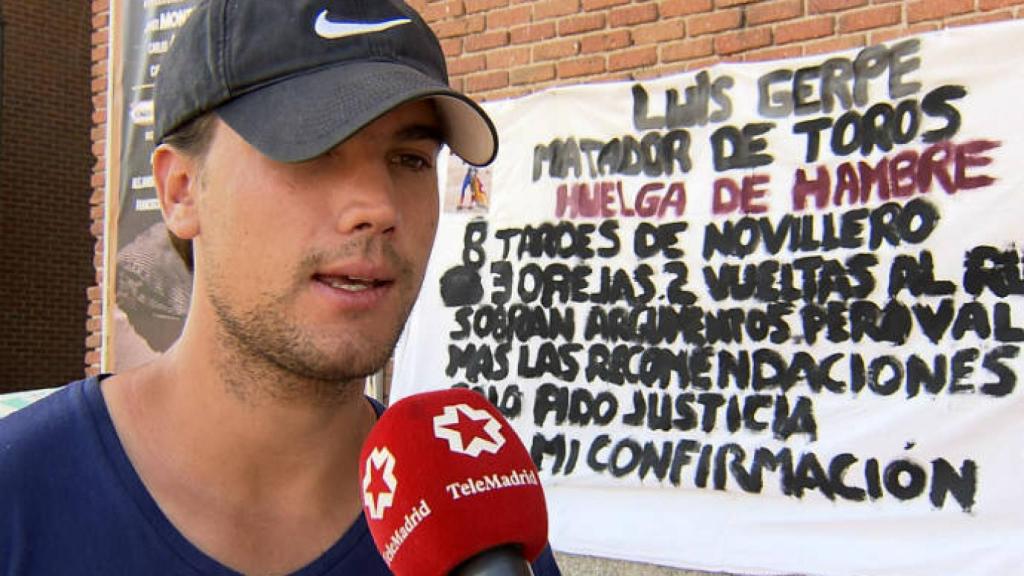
point(269, 354)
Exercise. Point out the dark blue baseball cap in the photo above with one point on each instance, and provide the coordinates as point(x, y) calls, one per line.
point(297, 77)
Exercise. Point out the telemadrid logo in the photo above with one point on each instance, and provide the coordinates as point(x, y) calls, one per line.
point(380, 469)
point(468, 431)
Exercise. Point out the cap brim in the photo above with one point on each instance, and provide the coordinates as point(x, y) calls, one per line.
point(303, 116)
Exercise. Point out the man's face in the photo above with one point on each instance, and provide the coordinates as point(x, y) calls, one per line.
point(314, 266)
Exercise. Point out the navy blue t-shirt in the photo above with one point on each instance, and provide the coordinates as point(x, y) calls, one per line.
point(72, 504)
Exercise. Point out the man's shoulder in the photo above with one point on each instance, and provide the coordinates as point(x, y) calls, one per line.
point(38, 432)
point(56, 485)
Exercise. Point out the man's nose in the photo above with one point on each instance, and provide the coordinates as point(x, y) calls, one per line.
point(364, 199)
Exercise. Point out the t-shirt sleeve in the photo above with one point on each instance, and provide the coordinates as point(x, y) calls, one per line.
point(545, 564)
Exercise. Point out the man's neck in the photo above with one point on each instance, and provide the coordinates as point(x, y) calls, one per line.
point(234, 471)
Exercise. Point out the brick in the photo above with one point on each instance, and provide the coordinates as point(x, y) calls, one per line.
point(556, 50)
point(658, 32)
point(590, 5)
point(748, 39)
point(577, 67)
point(985, 18)
point(508, 17)
point(510, 92)
point(554, 8)
point(434, 11)
point(605, 42)
point(474, 6)
point(486, 81)
point(687, 49)
point(802, 30)
point(459, 27)
point(475, 23)
point(532, 74)
point(868, 18)
point(728, 3)
point(675, 8)
point(835, 44)
point(508, 58)
point(98, 195)
point(661, 71)
point(532, 33)
point(702, 63)
point(774, 53)
point(452, 47)
point(717, 21)
point(879, 36)
point(580, 23)
point(825, 6)
point(451, 28)
point(633, 15)
point(774, 11)
point(642, 57)
point(936, 9)
point(486, 40)
point(996, 4)
point(467, 65)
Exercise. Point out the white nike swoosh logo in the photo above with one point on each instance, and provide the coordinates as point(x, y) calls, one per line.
point(334, 30)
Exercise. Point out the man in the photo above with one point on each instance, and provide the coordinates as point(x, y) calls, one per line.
point(297, 150)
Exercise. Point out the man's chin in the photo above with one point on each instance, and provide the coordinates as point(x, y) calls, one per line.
point(357, 362)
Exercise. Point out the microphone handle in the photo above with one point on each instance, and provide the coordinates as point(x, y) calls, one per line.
point(501, 561)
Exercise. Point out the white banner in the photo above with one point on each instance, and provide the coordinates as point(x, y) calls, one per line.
point(764, 318)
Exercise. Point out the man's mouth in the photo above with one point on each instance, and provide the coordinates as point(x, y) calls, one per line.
point(349, 283)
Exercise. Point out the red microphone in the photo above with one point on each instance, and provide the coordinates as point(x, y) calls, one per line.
point(448, 488)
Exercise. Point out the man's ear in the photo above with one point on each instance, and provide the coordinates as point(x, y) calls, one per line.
point(176, 176)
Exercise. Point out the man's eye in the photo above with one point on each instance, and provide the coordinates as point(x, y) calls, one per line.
point(412, 161)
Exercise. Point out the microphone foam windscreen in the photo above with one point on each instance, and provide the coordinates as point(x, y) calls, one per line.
point(445, 477)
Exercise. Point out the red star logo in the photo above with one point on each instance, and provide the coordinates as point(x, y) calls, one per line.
point(470, 428)
point(379, 482)
point(469, 431)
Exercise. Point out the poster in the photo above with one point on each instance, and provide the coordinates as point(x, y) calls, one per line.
point(762, 318)
point(150, 287)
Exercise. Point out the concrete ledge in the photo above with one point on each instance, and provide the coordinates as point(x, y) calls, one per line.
point(574, 565)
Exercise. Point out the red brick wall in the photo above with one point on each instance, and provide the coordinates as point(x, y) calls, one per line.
point(46, 255)
point(504, 48)
point(98, 73)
